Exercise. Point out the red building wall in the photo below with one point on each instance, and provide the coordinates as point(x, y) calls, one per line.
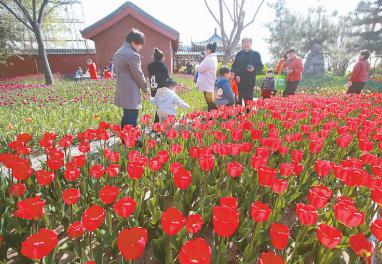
point(110, 40)
point(65, 64)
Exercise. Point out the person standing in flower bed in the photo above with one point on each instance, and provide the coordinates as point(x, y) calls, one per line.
point(167, 101)
point(358, 77)
point(223, 90)
point(281, 66)
point(92, 69)
point(206, 71)
point(295, 68)
point(130, 78)
point(268, 85)
point(158, 74)
point(246, 66)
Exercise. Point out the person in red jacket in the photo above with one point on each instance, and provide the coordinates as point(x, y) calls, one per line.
point(358, 77)
point(92, 68)
point(295, 68)
point(107, 74)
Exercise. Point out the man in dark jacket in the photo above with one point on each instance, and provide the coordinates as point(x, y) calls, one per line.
point(358, 77)
point(246, 65)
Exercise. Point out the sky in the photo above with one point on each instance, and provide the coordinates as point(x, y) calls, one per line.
point(193, 21)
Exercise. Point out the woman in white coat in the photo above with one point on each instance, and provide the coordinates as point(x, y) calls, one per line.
point(207, 75)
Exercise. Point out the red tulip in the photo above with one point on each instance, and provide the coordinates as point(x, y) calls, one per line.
point(316, 146)
point(297, 155)
point(344, 140)
point(185, 134)
point(155, 164)
point(286, 169)
point(75, 230)
point(44, 178)
point(258, 162)
point(207, 163)
point(194, 223)
point(171, 134)
point(348, 215)
point(182, 178)
point(279, 234)
point(195, 251)
point(229, 202)
point(366, 145)
point(270, 258)
point(93, 217)
point(72, 174)
point(194, 152)
point(319, 196)
point(234, 169)
point(152, 143)
point(135, 170)
point(306, 213)
point(97, 171)
point(24, 137)
point(172, 221)
point(176, 148)
point(260, 212)
point(125, 207)
point(132, 242)
point(22, 173)
point(175, 166)
point(225, 220)
point(71, 196)
point(328, 236)
point(17, 189)
point(30, 209)
point(376, 228)
point(163, 156)
point(113, 170)
point(108, 194)
point(266, 176)
point(323, 168)
point(79, 161)
point(361, 246)
point(279, 186)
point(40, 244)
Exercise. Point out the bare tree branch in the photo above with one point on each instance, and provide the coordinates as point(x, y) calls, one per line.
point(229, 12)
point(25, 12)
point(34, 10)
point(41, 14)
point(16, 15)
point(212, 14)
point(254, 16)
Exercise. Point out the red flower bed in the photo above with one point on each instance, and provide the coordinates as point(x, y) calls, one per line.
point(266, 183)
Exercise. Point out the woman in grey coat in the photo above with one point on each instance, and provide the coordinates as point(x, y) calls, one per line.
point(130, 78)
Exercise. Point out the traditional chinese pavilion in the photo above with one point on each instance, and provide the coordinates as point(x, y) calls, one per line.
point(194, 54)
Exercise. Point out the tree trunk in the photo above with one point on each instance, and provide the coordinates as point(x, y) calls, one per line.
point(227, 56)
point(42, 54)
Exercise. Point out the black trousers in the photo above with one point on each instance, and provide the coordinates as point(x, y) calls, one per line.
point(356, 88)
point(130, 117)
point(246, 91)
point(291, 88)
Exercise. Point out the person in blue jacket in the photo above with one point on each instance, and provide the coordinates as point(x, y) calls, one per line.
point(223, 92)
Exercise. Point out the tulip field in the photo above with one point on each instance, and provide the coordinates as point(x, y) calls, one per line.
point(283, 180)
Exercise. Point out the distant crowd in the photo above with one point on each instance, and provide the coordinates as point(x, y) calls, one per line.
point(234, 85)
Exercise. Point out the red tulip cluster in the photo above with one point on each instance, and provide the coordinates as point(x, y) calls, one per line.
point(265, 183)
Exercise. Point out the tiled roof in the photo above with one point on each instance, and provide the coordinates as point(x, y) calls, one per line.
point(194, 53)
point(59, 52)
point(118, 14)
point(214, 38)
